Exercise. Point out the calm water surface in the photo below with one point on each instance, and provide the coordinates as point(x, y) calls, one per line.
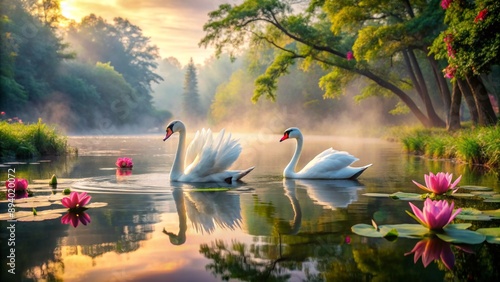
point(264, 229)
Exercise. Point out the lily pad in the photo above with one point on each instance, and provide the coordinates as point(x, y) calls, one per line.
point(34, 204)
point(453, 233)
point(492, 200)
point(492, 234)
point(96, 205)
point(40, 217)
point(473, 214)
point(476, 188)
point(493, 213)
point(459, 236)
point(463, 195)
point(59, 181)
point(406, 196)
point(378, 195)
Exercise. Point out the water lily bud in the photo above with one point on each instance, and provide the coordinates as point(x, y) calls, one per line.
point(53, 180)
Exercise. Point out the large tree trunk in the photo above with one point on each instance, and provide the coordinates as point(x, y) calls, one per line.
point(421, 87)
point(454, 113)
point(444, 90)
point(469, 100)
point(484, 108)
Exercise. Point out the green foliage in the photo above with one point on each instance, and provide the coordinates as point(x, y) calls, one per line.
point(475, 43)
point(18, 140)
point(473, 146)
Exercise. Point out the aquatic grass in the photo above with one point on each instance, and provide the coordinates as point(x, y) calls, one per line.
point(478, 146)
point(22, 141)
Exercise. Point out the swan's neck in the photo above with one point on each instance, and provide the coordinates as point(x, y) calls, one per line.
point(178, 166)
point(290, 168)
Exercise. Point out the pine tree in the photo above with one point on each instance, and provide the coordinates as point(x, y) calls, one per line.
point(191, 108)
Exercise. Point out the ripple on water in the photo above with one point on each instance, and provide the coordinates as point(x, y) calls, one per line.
point(150, 183)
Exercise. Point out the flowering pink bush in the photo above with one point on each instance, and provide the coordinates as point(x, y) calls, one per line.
point(124, 162)
point(449, 72)
point(481, 15)
point(349, 56)
point(435, 215)
point(446, 3)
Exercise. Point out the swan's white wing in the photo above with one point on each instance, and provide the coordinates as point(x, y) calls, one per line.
point(214, 155)
point(195, 148)
point(329, 160)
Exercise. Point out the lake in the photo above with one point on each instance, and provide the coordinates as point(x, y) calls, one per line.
point(263, 229)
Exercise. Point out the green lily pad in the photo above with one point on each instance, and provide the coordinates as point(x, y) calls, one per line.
point(463, 195)
point(476, 188)
point(406, 196)
point(461, 236)
point(492, 234)
point(492, 200)
point(453, 233)
point(493, 213)
point(377, 195)
point(366, 230)
point(473, 214)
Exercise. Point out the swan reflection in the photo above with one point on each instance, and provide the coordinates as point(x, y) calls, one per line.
point(332, 194)
point(290, 188)
point(206, 211)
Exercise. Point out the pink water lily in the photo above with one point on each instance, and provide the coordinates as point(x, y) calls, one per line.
point(124, 162)
point(435, 215)
point(440, 183)
point(74, 218)
point(75, 200)
point(18, 185)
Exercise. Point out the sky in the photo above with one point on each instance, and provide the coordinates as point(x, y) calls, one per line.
point(174, 26)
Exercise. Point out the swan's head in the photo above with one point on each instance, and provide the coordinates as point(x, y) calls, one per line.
point(292, 132)
point(173, 127)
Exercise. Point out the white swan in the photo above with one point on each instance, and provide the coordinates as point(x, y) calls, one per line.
point(207, 158)
point(330, 164)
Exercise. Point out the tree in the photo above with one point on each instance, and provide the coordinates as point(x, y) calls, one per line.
point(123, 45)
point(30, 48)
point(383, 42)
point(471, 44)
point(190, 97)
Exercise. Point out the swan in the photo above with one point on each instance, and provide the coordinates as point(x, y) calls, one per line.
point(330, 164)
point(207, 158)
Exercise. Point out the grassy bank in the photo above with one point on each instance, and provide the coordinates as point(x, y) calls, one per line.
point(23, 141)
point(479, 146)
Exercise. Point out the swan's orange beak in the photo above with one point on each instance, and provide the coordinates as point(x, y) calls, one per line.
point(284, 137)
point(169, 133)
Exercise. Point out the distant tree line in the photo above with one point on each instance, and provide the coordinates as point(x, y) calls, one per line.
point(88, 75)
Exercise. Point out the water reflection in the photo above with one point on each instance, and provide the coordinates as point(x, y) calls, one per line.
point(289, 186)
point(74, 218)
point(332, 194)
point(435, 249)
point(206, 211)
